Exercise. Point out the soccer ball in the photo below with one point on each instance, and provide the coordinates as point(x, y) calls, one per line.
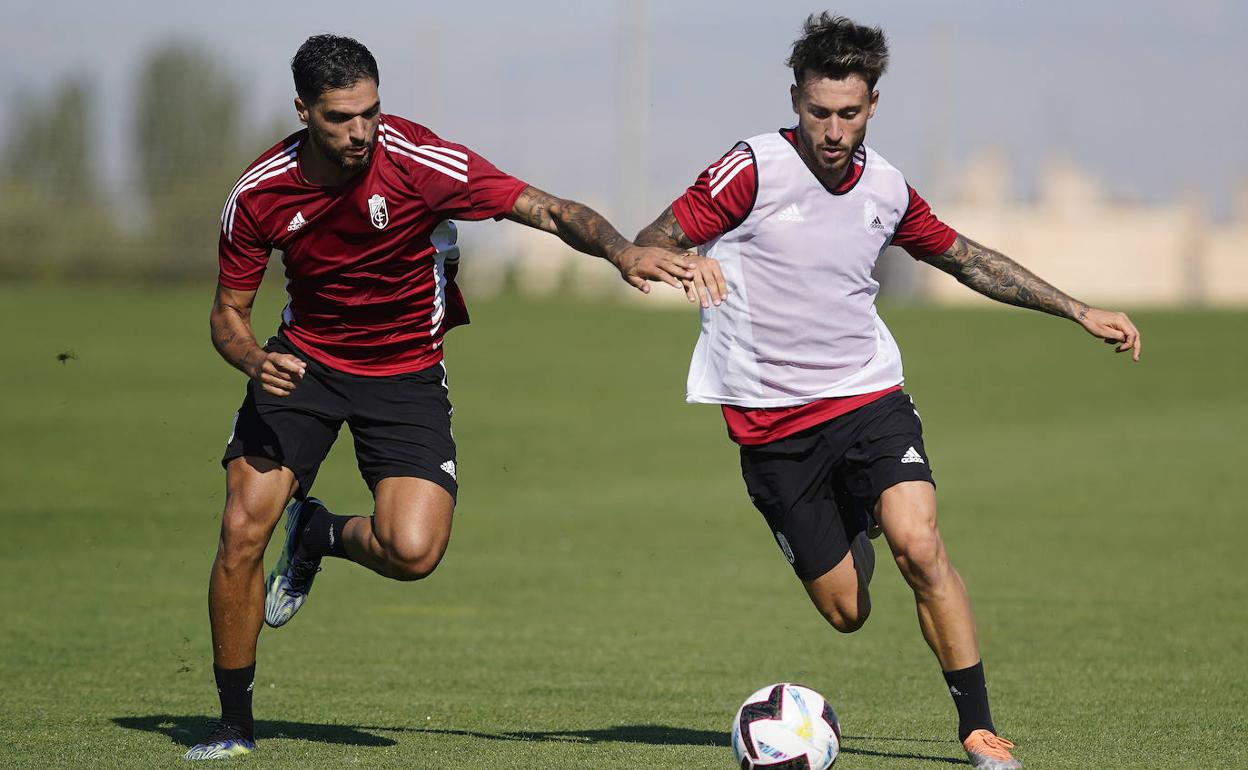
point(786, 726)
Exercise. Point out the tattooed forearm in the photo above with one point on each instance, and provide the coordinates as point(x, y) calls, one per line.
point(665, 232)
point(998, 277)
point(576, 224)
point(230, 324)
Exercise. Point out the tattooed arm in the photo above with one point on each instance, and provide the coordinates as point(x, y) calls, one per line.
point(587, 231)
point(708, 282)
point(666, 233)
point(998, 277)
point(230, 320)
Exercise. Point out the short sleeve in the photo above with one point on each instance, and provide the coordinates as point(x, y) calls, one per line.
point(460, 184)
point(920, 233)
point(720, 198)
point(241, 253)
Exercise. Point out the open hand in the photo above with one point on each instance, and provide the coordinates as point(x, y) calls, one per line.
point(707, 283)
point(641, 264)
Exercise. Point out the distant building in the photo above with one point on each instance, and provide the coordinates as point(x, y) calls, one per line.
point(1073, 235)
point(1094, 248)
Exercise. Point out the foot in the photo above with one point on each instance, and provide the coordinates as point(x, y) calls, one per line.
point(288, 584)
point(987, 751)
point(223, 741)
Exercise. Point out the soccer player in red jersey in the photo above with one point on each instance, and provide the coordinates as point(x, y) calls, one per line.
point(359, 203)
point(789, 226)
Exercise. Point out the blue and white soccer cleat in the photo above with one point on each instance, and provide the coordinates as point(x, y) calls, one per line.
point(223, 741)
point(288, 584)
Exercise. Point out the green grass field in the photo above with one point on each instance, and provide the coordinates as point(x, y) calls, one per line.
point(610, 595)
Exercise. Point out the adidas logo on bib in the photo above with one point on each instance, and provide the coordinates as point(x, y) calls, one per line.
point(912, 456)
point(791, 214)
point(869, 216)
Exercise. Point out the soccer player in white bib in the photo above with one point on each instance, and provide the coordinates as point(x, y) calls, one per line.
point(789, 225)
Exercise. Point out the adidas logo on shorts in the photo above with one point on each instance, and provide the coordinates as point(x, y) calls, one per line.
point(783, 542)
point(912, 456)
point(449, 467)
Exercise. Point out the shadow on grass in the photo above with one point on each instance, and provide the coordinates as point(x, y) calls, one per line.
point(658, 735)
point(186, 730)
point(651, 735)
point(893, 754)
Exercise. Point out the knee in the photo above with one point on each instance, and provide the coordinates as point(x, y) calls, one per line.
point(922, 560)
point(243, 537)
point(847, 616)
point(412, 559)
point(412, 569)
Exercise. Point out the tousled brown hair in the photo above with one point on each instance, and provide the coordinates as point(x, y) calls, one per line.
point(836, 47)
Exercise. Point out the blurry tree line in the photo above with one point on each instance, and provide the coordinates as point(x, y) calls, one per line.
point(58, 222)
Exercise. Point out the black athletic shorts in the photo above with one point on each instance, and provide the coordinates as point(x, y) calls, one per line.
point(401, 423)
point(817, 487)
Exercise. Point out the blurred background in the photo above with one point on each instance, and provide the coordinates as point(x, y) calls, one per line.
point(1099, 143)
point(608, 583)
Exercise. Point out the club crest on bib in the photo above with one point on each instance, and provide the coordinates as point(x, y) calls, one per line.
point(377, 213)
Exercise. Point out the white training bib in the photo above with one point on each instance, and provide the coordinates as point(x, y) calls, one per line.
point(799, 323)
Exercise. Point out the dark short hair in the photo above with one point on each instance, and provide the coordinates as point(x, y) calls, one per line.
point(836, 47)
point(326, 62)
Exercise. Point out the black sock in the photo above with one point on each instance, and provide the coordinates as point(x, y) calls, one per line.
point(234, 687)
point(970, 696)
point(323, 535)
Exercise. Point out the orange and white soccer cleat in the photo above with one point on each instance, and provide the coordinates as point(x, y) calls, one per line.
point(990, 752)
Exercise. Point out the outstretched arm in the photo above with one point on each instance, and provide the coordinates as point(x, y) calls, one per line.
point(708, 282)
point(587, 231)
point(998, 277)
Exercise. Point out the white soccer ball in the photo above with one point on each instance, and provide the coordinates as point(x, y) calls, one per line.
point(786, 726)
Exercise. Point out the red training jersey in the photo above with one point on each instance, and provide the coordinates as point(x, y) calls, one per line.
point(370, 265)
point(720, 200)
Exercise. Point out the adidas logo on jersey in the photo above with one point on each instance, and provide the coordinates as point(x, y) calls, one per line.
point(912, 456)
point(876, 224)
point(297, 222)
point(449, 467)
point(791, 214)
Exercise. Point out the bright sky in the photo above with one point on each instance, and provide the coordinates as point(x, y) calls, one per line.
point(1149, 94)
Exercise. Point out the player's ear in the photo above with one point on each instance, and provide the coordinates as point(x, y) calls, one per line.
point(301, 110)
point(795, 94)
point(875, 99)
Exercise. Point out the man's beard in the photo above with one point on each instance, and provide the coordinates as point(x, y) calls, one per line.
point(340, 159)
point(348, 163)
point(837, 166)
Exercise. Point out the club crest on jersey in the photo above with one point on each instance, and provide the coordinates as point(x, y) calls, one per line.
point(377, 213)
